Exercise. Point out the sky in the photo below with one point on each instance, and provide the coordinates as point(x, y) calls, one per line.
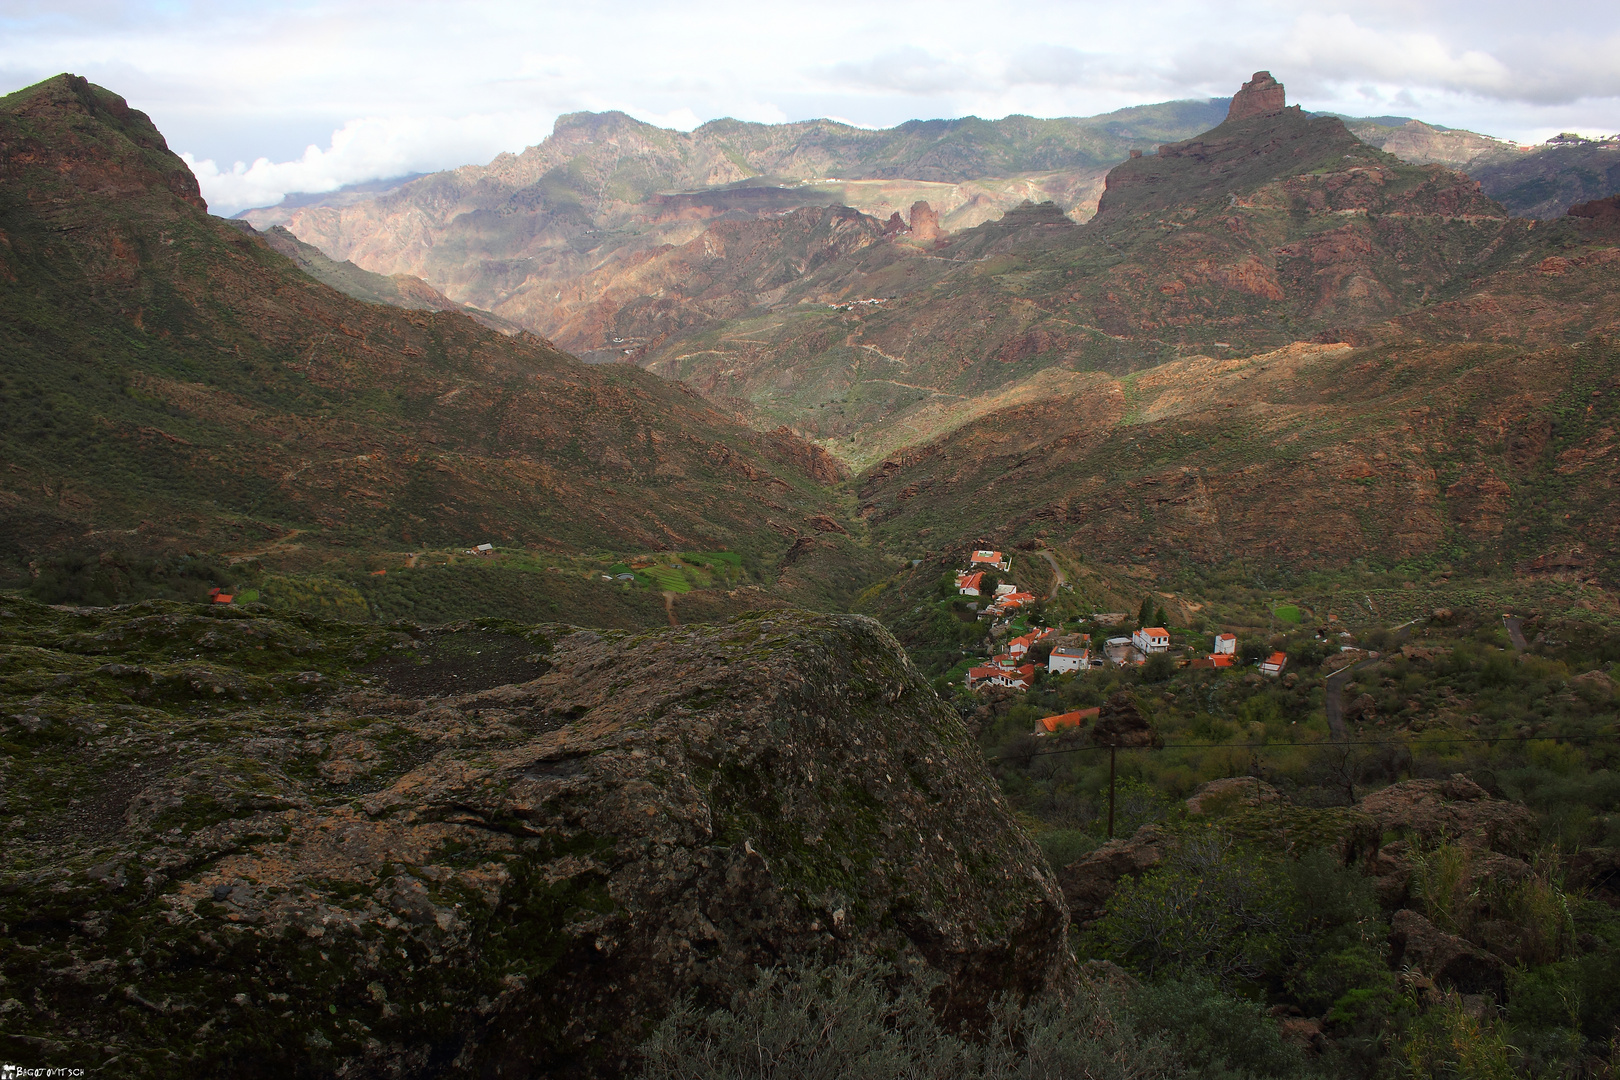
point(269, 97)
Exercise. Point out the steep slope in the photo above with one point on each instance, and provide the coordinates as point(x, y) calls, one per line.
point(1529, 181)
point(1480, 431)
point(519, 235)
point(400, 290)
point(1270, 228)
point(171, 383)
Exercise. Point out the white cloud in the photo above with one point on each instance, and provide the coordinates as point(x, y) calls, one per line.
point(361, 150)
point(412, 85)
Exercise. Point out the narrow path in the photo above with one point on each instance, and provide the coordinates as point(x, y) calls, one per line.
point(1515, 629)
point(1056, 569)
point(1335, 699)
point(669, 607)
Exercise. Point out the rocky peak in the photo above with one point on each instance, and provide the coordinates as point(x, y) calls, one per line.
point(1260, 96)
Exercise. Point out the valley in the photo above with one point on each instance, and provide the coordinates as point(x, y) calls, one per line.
point(520, 621)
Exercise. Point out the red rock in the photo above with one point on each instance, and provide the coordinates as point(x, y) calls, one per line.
point(1260, 96)
point(925, 223)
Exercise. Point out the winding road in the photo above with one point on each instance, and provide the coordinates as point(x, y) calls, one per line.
point(1059, 579)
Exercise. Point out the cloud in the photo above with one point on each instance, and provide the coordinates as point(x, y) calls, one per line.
point(412, 85)
point(366, 149)
point(909, 69)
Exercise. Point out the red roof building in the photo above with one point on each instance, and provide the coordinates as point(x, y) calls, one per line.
point(1050, 725)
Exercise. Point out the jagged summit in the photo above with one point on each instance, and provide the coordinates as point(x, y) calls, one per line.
point(1261, 96)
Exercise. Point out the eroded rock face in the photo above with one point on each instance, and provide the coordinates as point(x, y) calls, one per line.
point(509, 850)
point(1457, 809)
point(1089, 882)
point(1260, 96)
point(1446, 958)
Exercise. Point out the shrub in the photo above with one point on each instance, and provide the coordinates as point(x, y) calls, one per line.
point(1213, 909)
point(1212, 1033)
point(851, 1019)
point(1448, 1043)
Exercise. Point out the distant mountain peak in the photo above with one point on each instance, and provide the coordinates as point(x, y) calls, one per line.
point(1260, 96)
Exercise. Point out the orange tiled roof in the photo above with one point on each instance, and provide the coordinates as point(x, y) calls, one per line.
point(1069, 719)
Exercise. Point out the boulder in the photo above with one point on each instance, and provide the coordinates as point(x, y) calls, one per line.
point(1456, 809)
point(1597, 683)
point(1120, 723)
point(1231, 792)
point(1415, 942)
point(505, 851)
point(1088, 882)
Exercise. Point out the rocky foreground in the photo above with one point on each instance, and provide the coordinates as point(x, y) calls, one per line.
point(248, 844)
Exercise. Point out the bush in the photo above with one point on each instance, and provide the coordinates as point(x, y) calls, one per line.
point(1214, 1034)
point(851, 1019)
point(1063, 846)
point(1214, 909)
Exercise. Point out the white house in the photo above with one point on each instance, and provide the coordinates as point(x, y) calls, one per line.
point(1274, 664)
point(1225, 645)
point(1151, 639)
point(1067, 658)
point(991, 558)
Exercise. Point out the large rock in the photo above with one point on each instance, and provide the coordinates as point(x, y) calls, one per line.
point(1446, 958)
point(1456, 809)
point(504, 853)
point(1090, 881)
point(1260, 96)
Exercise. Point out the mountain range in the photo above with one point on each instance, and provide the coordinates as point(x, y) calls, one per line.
point(1271, 340)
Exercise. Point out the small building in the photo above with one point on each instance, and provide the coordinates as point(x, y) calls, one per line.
point(1006, 590)
point(1213, 660)
point(485, 549)
point(1051, 725)
point(1225, 645)
point(968, 584)
point(1015, 600)
point(995, 674)
point(1151, 639)
point(1067, 658)
point(1273, 664)
point(221, 597)
point(990, 558)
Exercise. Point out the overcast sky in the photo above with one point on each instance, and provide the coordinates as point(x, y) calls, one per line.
point(266, 98)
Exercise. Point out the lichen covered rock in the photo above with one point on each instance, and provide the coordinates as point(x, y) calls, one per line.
point(483, 850)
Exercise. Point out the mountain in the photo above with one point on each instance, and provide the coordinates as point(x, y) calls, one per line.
point(400, 290)
point(172, 383)
point(1270, 228)
point(603, 192)
point(1529, 181)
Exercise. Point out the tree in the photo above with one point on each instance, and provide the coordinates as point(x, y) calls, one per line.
point(1145, 612)
point(1158, 617)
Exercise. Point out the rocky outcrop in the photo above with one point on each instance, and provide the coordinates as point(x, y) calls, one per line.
point(1089, 882)
point(492, 850)
point(1456, 809)
point(1230, 792)
point(1260, 96)
point(1121, 723)
point(925, 224)
point(1415, 942)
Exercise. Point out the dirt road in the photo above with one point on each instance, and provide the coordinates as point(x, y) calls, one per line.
point(1515, 629)
point(1057, 570)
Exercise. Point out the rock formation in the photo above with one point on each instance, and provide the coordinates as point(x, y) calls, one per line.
point(1260, 96)
point(338, 850)
point(925, 223)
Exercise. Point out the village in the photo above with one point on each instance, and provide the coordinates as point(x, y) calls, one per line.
point(1068, 653)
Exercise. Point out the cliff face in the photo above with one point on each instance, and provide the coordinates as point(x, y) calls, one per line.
point(485, 850)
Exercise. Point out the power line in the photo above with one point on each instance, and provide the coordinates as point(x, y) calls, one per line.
point(1407, 743)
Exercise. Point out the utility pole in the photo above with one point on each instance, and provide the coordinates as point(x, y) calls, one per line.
point(1111, 751)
